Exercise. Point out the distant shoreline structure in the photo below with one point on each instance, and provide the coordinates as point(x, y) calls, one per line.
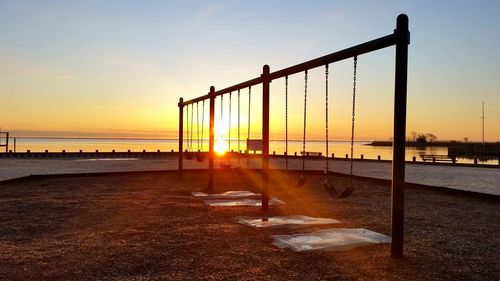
point(435, 143)
point(483, 151)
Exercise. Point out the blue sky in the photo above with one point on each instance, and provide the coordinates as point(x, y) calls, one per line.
point(121, 66)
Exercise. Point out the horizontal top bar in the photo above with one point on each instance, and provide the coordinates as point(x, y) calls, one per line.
point(195, 100)
point(357, 50)
point(370, 46)
point(240, 86)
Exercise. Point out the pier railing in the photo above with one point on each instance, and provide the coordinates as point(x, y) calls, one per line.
point(4, 135)
point(400, 38)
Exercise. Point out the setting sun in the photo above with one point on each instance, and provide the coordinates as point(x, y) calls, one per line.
point(220, 147)
point(221, 130)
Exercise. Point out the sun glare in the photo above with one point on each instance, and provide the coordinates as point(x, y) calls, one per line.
point(220, 147)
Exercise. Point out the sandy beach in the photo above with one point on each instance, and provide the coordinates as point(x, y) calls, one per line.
point(147, 226)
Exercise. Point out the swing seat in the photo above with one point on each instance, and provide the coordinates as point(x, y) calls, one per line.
point(188, 156)
point(330, 188)
point(225, 166)
point(348, 191)
point(301, 182)
point(200, 157)
point(333, 192)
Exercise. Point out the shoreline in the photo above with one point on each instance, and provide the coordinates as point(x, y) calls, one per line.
point(434, 143)
point(169, 154)
point(462, 177)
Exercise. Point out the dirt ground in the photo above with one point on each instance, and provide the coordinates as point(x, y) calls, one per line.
point(147, 226)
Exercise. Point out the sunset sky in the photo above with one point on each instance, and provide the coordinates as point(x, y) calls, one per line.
point(118, 68)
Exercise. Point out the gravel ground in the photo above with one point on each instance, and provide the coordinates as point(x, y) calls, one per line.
point(147, 226)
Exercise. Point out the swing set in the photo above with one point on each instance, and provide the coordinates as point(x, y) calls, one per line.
point(400, 38)
point(328, 186)
point(189, 153)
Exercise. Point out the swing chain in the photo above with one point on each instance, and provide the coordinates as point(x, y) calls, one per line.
point(187, 127)
point(191, 138)
point(353, 109)
point(305, 117)
point(202, 122)
point(248, 128)
point(249, 100)
point(229, 126)
point(286, 122)
point(326, 116)
point(239, 121)
point(198, 125)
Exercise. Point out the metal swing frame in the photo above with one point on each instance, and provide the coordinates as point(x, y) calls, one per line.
point(400, 38)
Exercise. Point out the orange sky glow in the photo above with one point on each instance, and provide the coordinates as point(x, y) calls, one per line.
point(87, 70)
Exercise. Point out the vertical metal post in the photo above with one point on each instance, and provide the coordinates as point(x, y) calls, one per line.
point(181, 133)
point(398, 163)
point(211, 141)
point(265, 137)
point(7, 143)
point(15, 145)
point(482, 123)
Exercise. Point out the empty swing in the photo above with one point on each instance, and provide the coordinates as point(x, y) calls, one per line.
point(229, 151)
point(223, 165)
point(302, 180)
point(329, 187)
point(239, 137)
point(189, 135)
point(200, 157)
point(248, 128)
point(198, 127)
point(286, 124)
point(191, 130)
point(350, 187)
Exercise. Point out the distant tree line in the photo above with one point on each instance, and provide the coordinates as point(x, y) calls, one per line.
point(422, 138)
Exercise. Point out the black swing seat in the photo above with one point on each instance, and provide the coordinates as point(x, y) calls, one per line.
point(330, 188)
point(301, 182)
point(188, 155)
point(200, 157)
point(348, 191)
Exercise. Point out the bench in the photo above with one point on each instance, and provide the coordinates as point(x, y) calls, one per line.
point(311, 153)
point(254, 145)
point(437, 158)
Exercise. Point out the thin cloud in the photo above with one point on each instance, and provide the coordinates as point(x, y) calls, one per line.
point(201, 18)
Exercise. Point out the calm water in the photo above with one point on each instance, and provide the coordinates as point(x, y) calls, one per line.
point(339, 148)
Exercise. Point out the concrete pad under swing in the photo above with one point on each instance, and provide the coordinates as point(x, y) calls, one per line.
point(333, 239)
point(284, 221)
point(227, 194)
point(241, 202)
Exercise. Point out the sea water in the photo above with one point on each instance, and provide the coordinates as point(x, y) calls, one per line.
point(338, 148)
